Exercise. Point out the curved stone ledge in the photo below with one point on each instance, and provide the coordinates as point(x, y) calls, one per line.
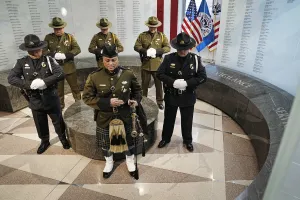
point(260, 108)
point(82, 129)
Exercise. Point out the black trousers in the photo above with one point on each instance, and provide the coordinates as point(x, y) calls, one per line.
point(41, 121)
point(186, 122)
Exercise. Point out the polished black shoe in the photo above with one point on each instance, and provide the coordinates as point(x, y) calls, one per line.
point(65, 143)
point(189, 147)
point(162, 144)
point(43, 147)
point(160, 106)
point(132, 174)
point(107, 174)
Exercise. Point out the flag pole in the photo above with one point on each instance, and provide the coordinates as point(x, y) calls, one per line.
point(213, 59)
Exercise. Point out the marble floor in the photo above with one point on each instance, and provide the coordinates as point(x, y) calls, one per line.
point(221, 166)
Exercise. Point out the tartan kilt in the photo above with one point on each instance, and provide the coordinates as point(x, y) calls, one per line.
point(103, 142)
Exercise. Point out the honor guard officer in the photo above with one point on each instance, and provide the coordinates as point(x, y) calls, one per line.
point(181, 73)
point(102, 38)
point(63, 47)
point(151, 45)
point(38, 76)
point(111, 90)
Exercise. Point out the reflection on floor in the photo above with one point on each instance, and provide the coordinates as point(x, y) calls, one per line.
point(221, 166)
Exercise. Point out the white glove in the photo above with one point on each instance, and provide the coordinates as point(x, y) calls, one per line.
point(38, 84)
point(176, 83)
point(43, 87)
point(60, 56)
point(151, 52)
point(180, 84)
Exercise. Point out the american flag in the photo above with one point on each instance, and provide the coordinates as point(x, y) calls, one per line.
point(191, 23)
point(213, 46)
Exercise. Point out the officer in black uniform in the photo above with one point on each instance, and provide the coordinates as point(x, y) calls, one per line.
point(181, 72)
point(37, 76)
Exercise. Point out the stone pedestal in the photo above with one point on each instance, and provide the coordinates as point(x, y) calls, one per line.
point(82, 129)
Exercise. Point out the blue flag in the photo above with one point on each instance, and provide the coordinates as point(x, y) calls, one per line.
point(206, 23)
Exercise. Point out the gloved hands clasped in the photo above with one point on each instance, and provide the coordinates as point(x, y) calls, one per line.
point(38, 84)
point(180, 84)
point(151, 53)
point(60, 56)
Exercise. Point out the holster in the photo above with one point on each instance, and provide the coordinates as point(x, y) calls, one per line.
point(24, 94)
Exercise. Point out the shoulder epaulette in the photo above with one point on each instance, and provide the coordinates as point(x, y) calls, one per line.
point(124, 68)
point(193, 54)
point(97, 70)
point(24, 57)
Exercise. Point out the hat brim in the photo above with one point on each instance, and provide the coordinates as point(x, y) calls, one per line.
point(153, 26)
point(24, 48)
point(62, 26)
point(103, 27)
point(109, 56)
point(175, 45)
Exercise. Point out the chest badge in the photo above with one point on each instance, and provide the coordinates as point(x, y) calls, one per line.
point(66, 43)
point(124, 82)
point(172, 65)
point(191, 66)
point(43, 64)
point(179, 73)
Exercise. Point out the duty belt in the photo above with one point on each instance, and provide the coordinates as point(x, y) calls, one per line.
point(39, 92)
point(175, 91)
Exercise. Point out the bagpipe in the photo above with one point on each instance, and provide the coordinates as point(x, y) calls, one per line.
point(137, 131)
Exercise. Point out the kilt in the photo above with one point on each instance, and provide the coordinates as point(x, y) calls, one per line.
point(103, 142)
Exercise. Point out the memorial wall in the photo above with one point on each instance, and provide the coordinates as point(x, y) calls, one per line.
point(21, 17)
point(262, 38)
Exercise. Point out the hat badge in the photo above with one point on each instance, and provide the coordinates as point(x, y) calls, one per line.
point(181, 42)
point(31, 43)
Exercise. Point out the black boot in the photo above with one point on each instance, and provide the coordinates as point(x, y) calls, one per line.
point(43, 147)
point(64, 142)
